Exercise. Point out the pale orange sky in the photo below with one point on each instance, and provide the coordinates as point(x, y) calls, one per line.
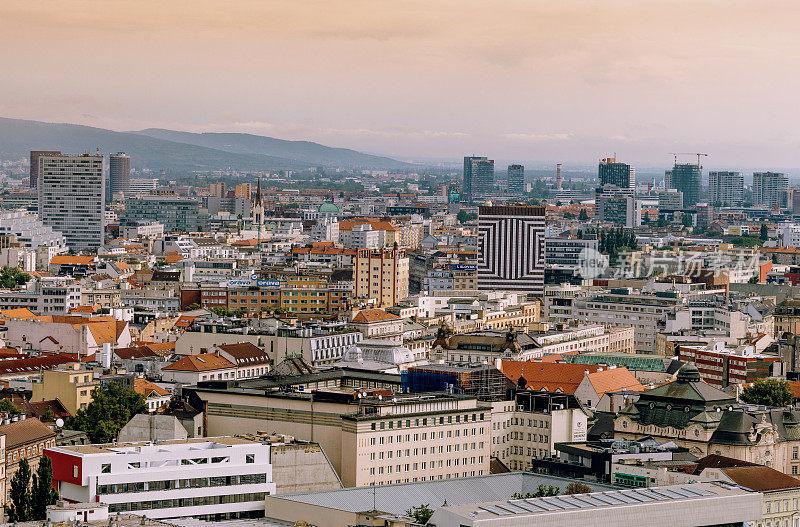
point(526, 80)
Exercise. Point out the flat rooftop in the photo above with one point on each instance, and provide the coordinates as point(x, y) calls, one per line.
point(144, 446)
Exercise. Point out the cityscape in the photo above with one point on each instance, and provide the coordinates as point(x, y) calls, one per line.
point(369, 311)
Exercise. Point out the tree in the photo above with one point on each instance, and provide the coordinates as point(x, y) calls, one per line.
point(421, 514)
point(7, 407)
point(111, 408)
point(583, 216)
point(193, 306)
point(541, 491)
point(20, 508)
point(763, 234)
point(12, 277)
point(43, 493)
point(768, 392)
point(576, 487)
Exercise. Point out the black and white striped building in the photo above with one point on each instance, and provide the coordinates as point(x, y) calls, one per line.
point(511, 250)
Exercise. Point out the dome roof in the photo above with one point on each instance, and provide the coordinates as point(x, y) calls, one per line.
point(329, 208)
point(688, 373)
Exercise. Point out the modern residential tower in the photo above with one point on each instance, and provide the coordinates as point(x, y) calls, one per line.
point(511, 249)
point(119, 173)
point(72, 198)
point(725, 187)
point(770, 189)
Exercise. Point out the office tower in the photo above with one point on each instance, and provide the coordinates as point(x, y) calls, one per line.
point(511, 249)
point(725, 188)
point(478, 176)
point(381, 275)
point(119, 173)
point(35, 155)
point(609, 172)
point(670, 199)
point(174, 213)
point(770, 189)
point(482, 177)
point(516, 180)
point(72, 198)
point(618, 206)
point(686, 178)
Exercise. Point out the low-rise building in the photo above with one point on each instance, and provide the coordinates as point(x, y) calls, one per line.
point(71, 384)
point(23, 439)
point(209, 478)
point(192, 369)
point(372, 438)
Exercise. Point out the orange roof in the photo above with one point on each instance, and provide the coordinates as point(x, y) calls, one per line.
point(549, 376)
point(122, 266)
point(201, 362)
point(20, 312)
point(374, 315)
point(84, 309)
point(347, 225)
point(104, 329)
point(147, 388)
point(184, 321)
point(245, 243)
point(614, 379)
point(65, 259)
point(172, 257)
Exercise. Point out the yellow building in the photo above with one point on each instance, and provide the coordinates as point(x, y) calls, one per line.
point(381, 275)
point(72, 385)
point(243, 190)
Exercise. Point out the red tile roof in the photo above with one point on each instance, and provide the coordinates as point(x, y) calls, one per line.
point(551, 377)
point(201, 362)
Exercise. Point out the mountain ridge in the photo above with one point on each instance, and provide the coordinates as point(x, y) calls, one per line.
point(249, 152)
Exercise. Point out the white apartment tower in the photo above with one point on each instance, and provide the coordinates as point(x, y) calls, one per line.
point(770, 189)
point(725, 187)
point(72, 198)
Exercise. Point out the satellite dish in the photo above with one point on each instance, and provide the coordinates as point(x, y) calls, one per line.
point(59, 422)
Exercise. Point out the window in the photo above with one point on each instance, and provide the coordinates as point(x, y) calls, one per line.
point(250, 458)
point(105, 469)
point(75, 470)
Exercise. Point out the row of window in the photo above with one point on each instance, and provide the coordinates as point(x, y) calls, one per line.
point(458, 419)
point(187, 502)
point(450, 433)
point(408, 467)
point(424, 450)
point(191, 483)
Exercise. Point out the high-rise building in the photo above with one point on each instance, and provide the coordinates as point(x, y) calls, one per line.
point(478, 176)
point(725, 188)
point(795, 201)
point(35, 155)
point(381, 275)
point(511, 252)
point(618, 206)
point(243, 190)
point(218, 189)
point(686, 178)
point(770, 189)
point(119, 173)
point(174, 213)
point(609, 172)
point(516, 180)
point(72, 198)
point(467, 187)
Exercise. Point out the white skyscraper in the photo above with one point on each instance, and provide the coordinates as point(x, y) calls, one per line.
point(71, 198)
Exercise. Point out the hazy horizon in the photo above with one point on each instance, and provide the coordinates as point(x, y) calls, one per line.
point(521, 80)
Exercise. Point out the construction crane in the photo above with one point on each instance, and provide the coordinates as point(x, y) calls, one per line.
point(698, 154)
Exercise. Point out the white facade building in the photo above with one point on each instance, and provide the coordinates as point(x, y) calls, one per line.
point(30, 232)
point(72, 198)
point(210, 478)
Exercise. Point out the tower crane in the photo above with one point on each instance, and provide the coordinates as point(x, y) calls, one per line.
point(698, 154)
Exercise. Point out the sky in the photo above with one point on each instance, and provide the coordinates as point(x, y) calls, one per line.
point(523, 80)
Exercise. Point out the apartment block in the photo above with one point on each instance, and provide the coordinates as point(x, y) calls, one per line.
point(71, 384)
point(381, 275)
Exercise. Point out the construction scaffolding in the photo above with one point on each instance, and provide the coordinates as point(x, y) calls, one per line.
point(481, 380)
